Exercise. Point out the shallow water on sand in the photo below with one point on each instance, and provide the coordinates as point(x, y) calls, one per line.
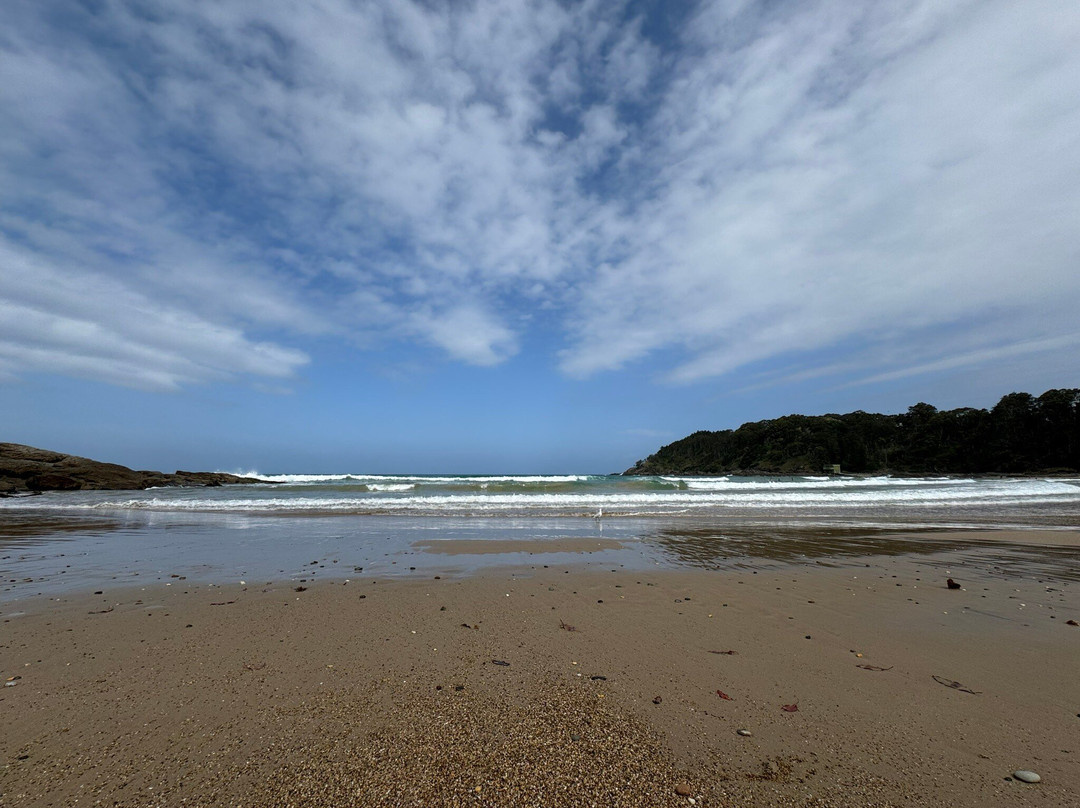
point(311, 526)
point(50, 552)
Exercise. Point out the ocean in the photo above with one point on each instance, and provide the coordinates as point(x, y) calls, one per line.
point(307, 525)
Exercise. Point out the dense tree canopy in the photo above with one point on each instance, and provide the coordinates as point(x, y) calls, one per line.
point(1021, 434)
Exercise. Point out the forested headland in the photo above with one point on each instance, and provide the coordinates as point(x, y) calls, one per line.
point(1021, 434)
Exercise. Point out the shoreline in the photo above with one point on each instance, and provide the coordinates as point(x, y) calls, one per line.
point(59, 566)
point(347, 692)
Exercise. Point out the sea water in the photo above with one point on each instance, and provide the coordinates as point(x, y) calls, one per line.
point(298, 525)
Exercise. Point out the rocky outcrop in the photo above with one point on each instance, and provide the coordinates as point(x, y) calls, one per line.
point(25, 469)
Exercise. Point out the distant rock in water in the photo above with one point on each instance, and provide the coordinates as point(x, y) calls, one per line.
point(1021, 434)
point(26, 469)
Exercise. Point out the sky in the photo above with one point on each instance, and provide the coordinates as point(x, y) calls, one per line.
point(523, 235)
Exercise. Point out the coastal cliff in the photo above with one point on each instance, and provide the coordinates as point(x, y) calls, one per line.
point(26, 469)
point(1021, 434)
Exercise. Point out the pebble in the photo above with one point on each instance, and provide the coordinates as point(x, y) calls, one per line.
point(683, 790)
point(1026, 776)
point(744, 732)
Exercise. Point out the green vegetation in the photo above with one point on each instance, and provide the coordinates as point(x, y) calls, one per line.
point(1021, 434)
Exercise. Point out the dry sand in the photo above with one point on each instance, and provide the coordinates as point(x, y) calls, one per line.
point(389, 692)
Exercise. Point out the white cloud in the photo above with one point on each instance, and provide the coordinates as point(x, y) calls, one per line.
point(891, 182)
point(800, 207)
point(466, 333)
point(55, 321)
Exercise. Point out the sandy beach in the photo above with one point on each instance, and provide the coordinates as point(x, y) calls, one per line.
point(551, 685)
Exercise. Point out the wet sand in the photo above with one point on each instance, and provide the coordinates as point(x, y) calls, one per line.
point(376, 692)
point(1042, 538)
point(532, 546)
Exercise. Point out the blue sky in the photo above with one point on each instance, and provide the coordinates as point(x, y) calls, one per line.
point(523, 236)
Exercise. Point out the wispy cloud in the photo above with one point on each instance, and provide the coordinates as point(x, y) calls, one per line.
point(189, 192)
point(94, 327)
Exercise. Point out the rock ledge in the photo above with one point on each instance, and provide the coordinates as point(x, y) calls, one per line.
point(24, 469)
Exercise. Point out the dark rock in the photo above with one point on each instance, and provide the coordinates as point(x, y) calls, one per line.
point(26, 469)
point(52, 482)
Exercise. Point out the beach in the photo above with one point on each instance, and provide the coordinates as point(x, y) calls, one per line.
point(867, 682)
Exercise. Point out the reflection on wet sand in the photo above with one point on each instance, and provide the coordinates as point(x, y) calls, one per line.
point(38, 526)
point(739, 547)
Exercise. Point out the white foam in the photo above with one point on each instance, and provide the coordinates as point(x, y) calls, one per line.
point(420, 479)
point(392, 495)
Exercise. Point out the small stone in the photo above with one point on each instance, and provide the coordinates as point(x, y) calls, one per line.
point(657, 700)
point(744, 732)
point(575, 737)
point(1025, 776)
point(683, 790)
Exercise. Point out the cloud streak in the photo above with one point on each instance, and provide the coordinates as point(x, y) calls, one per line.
point(745, 185)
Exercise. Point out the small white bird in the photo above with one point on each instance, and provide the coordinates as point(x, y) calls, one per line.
point(599, 514)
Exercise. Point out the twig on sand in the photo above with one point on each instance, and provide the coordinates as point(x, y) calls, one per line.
point(566, 626)
point(875, 668)
point(941, 680)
